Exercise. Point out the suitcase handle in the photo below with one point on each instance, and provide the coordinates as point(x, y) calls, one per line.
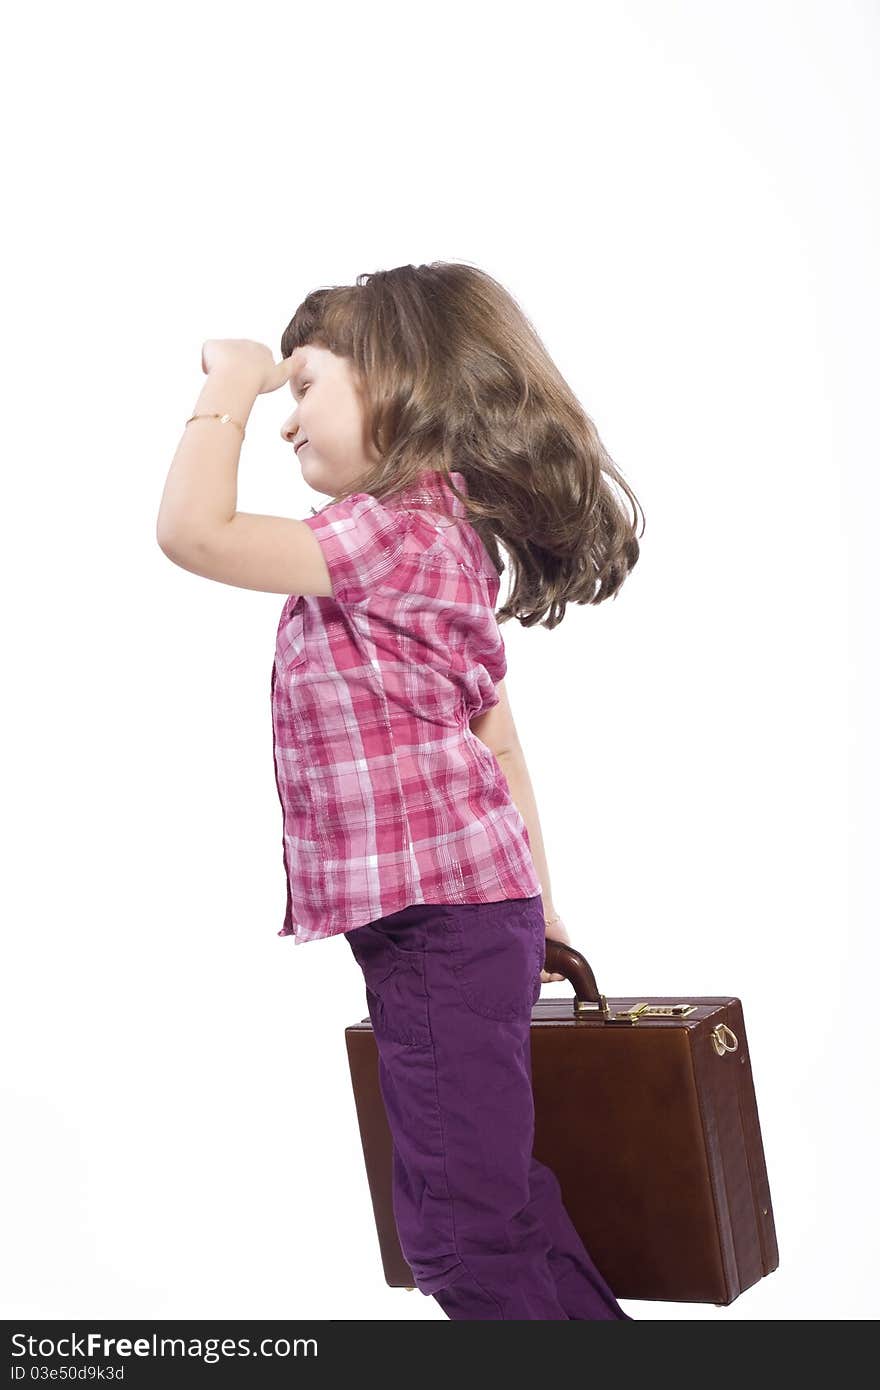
point(562, 959)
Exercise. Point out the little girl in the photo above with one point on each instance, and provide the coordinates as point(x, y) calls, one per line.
point(430, 413)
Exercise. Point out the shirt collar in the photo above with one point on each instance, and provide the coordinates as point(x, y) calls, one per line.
point(430, 487)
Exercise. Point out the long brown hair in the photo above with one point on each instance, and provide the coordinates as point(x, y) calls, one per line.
point(453, 376)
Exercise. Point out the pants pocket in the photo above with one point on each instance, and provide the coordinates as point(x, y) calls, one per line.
point(397, 999)
point(498, 954)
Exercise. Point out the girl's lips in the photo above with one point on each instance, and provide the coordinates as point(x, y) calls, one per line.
point(301, 445)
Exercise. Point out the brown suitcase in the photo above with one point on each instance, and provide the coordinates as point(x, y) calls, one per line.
point(646, 1112)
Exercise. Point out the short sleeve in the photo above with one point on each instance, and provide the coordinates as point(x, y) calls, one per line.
point(496, 662)
point(362, 541)
point(494, 656)
point(491, 654)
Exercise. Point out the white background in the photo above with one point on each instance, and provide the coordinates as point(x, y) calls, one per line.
point(684, 199)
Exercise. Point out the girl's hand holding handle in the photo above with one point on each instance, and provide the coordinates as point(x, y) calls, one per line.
point(555, 929)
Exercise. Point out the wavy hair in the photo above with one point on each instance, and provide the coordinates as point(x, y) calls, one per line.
point(453, 376)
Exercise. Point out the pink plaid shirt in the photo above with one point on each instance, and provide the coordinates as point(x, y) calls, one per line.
point(387, 797)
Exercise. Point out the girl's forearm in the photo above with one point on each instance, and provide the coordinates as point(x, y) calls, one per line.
point(201, 490)
point(513, 765)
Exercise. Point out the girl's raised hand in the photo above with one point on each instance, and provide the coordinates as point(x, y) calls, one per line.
point(556, 932)
point(245, 355)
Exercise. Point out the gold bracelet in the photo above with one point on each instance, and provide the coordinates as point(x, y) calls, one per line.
point(226, 419)
point(551, 921)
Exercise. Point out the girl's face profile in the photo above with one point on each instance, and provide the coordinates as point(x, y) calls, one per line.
point(327, 420)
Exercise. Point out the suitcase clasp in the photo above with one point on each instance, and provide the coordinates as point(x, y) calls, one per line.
point(650, 1011)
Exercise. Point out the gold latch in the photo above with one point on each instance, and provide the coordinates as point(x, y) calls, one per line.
point(650, 1011)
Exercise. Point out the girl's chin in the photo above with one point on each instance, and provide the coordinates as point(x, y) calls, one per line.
point(311, 475)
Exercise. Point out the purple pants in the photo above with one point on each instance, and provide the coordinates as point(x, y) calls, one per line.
point(481, 1222)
